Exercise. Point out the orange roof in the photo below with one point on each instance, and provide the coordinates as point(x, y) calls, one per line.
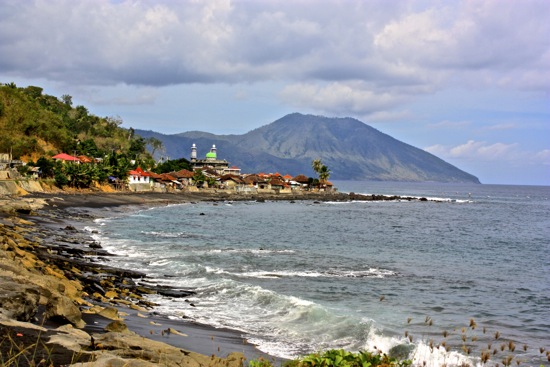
point(301, 179)
point(66, 157)
point(139, 172)
point(84, 159)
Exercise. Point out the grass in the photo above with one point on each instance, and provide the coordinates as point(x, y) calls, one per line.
point(339, 358)
point(26, 348)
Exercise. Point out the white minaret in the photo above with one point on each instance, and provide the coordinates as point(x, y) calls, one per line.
point(193, 153)
point(213, 150)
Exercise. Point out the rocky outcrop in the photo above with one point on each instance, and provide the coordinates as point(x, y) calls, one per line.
point(50, 279)
point(18, 301)
point(13, 205)
point(19, 187)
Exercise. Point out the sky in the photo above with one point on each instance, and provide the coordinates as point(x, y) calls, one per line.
point(468, 81)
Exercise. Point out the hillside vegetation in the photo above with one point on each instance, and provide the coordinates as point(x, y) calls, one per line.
point(34, 125)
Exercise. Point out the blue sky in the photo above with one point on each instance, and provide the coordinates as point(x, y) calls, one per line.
point(468, 81)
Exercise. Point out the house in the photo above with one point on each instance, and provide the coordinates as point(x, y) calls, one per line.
point(65, 158)
point(184, 176)
point(165, 181)
point(302, 180)
point(256, 181)
point(84, 159)
point(277, 184)
point(232, 182)
point(294, 185)
point(139, 180)
point(233, 170)
point(326, 186)
point(287, 177)
point(7, 161)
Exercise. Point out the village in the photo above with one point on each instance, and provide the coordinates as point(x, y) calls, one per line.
point(211, 172)
point(208, 174)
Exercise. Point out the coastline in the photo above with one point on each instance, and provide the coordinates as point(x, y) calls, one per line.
point(48, 240)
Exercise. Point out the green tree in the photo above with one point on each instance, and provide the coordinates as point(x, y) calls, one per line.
point(316, 165)
point(33, 92)
point(137, 147)
point(121, 168)
point(61, 179)
point(67, 99)
point(47, 167)
point(322, 170)
point(89, 148)
point(155, 144)
point(172, 166)
point(199, 177)
point(324, 173)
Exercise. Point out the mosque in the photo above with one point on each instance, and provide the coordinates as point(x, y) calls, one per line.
point(220, 166)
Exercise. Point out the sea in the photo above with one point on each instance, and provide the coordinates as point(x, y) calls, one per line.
point(438, 281)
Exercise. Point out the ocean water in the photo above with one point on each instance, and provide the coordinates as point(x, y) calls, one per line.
point(438, 279)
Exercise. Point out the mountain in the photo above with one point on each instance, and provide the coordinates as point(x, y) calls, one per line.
point(350, 148)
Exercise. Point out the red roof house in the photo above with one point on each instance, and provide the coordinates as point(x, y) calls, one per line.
point(65, 157)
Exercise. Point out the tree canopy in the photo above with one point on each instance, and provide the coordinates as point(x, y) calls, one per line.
point(35, 124)
point(322, 170)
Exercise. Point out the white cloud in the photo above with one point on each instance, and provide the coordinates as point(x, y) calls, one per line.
point(339, 98)
point(481, 151)
point(388, 116)
point(352, 57)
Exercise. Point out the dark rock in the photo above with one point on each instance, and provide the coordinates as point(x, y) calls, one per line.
point(94, 245)
point(401, 351)
point(175, 293)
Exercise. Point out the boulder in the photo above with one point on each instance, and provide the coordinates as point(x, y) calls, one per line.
point(116, 326)
point(62, 308)
point(110, 313)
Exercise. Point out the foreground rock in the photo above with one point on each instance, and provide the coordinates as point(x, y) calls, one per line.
point(47, 281)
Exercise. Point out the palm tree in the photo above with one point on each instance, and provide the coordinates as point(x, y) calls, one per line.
point(322, 170)
point(316, 165)
point(155, 144)
point(324, 173)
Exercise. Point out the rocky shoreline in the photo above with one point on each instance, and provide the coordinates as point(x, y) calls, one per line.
point(59, 300)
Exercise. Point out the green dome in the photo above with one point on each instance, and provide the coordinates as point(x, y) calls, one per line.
point(211, 155)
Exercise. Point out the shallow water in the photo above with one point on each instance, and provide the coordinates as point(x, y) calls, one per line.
point(299, 277)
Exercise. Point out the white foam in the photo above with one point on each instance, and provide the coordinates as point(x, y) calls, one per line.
point(335, 273)
point(437, 357)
